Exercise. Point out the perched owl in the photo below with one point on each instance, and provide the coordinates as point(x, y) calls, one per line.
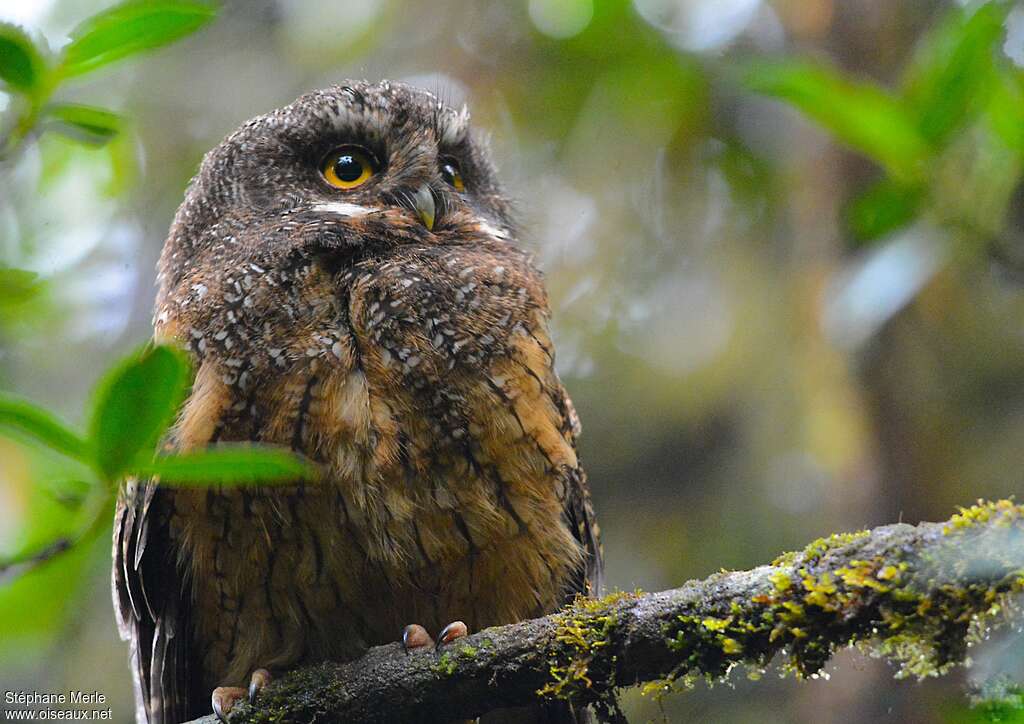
point(345, 274)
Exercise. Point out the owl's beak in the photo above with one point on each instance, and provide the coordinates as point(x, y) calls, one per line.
point(423, 205)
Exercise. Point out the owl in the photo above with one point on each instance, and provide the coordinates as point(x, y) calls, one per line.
point(346, 276)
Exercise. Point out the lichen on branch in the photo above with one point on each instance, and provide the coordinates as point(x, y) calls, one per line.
point(917, 595)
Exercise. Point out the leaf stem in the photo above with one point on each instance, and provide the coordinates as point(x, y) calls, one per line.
point(20, 564)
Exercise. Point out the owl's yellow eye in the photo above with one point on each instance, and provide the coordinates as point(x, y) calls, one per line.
point(348, 167)
point(452, 175)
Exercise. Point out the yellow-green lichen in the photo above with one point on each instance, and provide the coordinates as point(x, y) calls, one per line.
point(659, 688)
point(865, 574)
point(819, 590)
point(731, 646)
point(816, 549)
point(583, 628)
point(1002, 512)
point(918, 609)
point(781, 581)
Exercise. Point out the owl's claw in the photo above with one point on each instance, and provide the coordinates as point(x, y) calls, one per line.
point(259, 679)
point(454, 630)
point(416, 637)
point(224, 699)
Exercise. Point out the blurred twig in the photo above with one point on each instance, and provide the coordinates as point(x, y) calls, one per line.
point(17, 565)
point(96, 520)
point(916, 594)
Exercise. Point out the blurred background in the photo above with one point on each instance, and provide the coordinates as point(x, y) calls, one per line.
point(780, 312)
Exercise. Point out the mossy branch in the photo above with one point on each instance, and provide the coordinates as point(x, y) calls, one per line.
point(915, 594)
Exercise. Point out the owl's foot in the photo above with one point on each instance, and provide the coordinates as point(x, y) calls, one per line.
point(415, 637)
point(454, 630)
point(224, 698)
point(259, 679)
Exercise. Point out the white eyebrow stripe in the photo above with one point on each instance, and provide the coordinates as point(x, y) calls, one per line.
point(491, 230)
point(345, 209)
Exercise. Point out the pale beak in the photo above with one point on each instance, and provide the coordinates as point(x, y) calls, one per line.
point(423, 205)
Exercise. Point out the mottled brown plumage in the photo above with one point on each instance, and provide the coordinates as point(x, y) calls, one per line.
point(412, 365)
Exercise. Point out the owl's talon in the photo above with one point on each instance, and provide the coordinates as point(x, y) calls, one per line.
point(454, 630)
point(416, 637)
point(224, 699)
point(259, 679)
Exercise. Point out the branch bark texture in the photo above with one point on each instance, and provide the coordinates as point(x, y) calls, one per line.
point(918, 595)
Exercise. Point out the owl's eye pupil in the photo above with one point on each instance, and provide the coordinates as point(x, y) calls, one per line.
point(348, 169)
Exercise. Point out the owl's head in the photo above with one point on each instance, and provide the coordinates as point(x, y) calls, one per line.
point(343, 172)
point(353, 207)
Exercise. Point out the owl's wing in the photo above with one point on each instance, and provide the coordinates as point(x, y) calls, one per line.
point(579, 510)
point(152, 612)
point(553, 414)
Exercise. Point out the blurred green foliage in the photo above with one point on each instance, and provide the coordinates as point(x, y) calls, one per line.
point(21, 64)
point(860, 114)
point(138, 399)
point(956, 78)
point(118, 33)
point(127, 29)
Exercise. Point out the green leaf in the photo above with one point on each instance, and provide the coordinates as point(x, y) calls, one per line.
point(883, 208)
point(53, 547)
point(953, 70)
point(1006, 110)
point(134, 406)
point(33, 616)
point(129, 28)
point(18, 286)
point(69, 492)
point(21, 64)
point(861, 115)
point(229, 465)
point(28, 419)
point(87, 124)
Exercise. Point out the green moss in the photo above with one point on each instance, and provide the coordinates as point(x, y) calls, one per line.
point(445, 665)
point(820, 591)
point(781, 581)
point(448, 662)
point(583, 628)
point(921, 612)
point(1004, 512)
point(674, 682)
point(816, 549)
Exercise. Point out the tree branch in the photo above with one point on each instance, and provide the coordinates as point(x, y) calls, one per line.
point(918, 595)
